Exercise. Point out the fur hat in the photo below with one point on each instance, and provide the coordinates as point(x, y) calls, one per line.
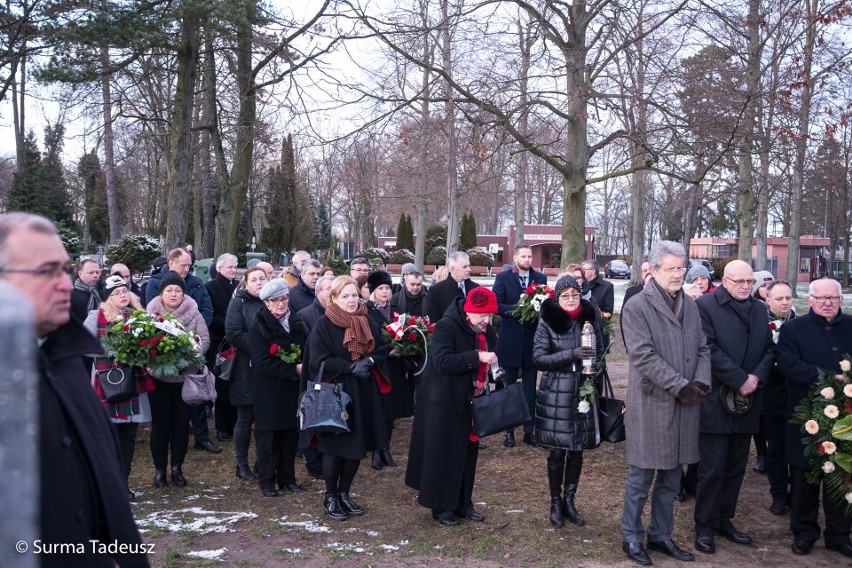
point(275, 288)
point(761, 277)
point(697, 270)
point(481, 300)
point(378, 278)
point(172, 278)
point(564, 283)
point(113, 282)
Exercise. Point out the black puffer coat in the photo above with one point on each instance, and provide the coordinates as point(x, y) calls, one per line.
point(558, 423)
point(241, 313)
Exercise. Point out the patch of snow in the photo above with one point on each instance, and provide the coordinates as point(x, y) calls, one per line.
point(372, 533)
point(342, 547)
point(388, 547)
point(194, 519)
point(292, 550)
point(208, 554)
point(310, 526)
point(515, 511)
point(191, 497)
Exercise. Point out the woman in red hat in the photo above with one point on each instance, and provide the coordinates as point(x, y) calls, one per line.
point(444, 449)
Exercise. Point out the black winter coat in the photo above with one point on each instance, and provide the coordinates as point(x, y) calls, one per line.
point(221, 291)
point(604, 294)
point(737, 349)
point(301, 296)
point(241, 312)
point(443, 295)
point(442, 425)
point(276, 384)
point(808, 345)
point(774, 401)
point(366, 419)
point(83, 491)
point(404, 303)
point(558, 423)
point(399, 402)
point(514, 346)
point(194, 289)
point(307, 317)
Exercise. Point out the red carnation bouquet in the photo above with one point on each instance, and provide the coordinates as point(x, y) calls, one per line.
point(408, 336)
point(529, 304)
point(291, 354)
point(157, 341)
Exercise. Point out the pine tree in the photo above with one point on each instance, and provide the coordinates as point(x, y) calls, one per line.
point(467, 232)
point(324, 238)
point(405, 233)
point(24, 194)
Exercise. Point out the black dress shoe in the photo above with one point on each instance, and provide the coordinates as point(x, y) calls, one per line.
point(224, 437)
point(177, 477)
point(845, 549)
point(705, 543)
point(131, 495)
point(270, 493)
point(509, 442)
point(530, 439)
point(244, 473)
point(636, 552)
point(681, 495)
point(779, 506)
point(160, 478)
point(208, 447)
point(350, 506)
point(377, 461)
point(387, 458)
point(333, 508)
point(734, 535)
point(471, 514)
point(447, 518)
point(669, 548)
point(801, 547)
point(759, 465)
point(294, 488)
point(482, 445)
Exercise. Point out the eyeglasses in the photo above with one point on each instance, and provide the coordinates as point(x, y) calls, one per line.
point(827, 299)
point(54, 272)
point(281, 300)
point(361, 270)
point(680, 270)
point(570, 296)
point(741, 281)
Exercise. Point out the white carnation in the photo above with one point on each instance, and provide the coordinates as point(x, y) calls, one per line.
point(584, 406)
point(849, 497)
point(827, 392)
point(828, 467)
point(536, 304)
point(845, 366)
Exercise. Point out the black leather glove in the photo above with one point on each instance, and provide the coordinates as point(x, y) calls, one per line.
point(692, 394)
point(580, 353)
point(361, 368)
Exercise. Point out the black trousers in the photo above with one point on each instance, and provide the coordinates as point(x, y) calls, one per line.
point(169, 424)
point(776, 468)
point(226, 413)
point(200, 430)
point(529, 376)
point(720, 476)
point(127, 441)
point(804, 511)
point(466, 489)
point(276, 457)
point(242, 433)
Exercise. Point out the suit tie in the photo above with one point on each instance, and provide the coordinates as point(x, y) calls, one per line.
point(523, 280)
point(461, 288)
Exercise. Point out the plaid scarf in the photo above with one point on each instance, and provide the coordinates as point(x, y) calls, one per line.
point(358, 339)
point(94, 299)
point(144, 382)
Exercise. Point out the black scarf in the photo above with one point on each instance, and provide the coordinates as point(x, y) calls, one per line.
point(406, 298)
point(674, 302)
point(94, 299)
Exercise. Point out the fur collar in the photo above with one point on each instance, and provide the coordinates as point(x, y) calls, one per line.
point(559, 321)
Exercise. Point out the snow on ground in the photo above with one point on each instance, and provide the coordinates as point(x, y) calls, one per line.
point(193, 519)
point(208, 554)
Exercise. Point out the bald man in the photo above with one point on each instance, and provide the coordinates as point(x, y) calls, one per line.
point(741, 358)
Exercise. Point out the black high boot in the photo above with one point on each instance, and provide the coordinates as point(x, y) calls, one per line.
point(572, 476)
point(554, 479)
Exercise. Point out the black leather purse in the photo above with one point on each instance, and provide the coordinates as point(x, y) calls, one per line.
point(118, 383)
point(500, 410)
point(323, 407)
point(610, 414)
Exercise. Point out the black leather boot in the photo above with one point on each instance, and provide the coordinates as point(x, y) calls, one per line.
point(349, 506)
point(387, 458)
point(177, 477)
point(333, 508)
point(570, 509)
point(377, 460)
point(555, 471)
point(160, 478)
point(244, 473)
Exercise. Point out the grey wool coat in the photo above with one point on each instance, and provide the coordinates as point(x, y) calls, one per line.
point(664, 357)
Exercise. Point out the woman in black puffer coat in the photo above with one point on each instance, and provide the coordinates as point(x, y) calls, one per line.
point(560, 424)
point(241, 313)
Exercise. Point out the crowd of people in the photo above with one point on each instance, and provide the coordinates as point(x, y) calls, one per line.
point(706, 376)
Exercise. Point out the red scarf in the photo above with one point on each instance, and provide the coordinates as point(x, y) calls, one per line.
point(575, 313)
point(481, 378)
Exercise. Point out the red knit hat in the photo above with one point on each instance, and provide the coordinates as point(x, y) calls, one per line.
point(481, 300)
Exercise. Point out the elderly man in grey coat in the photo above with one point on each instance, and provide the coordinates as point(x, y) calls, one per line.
point(668, 377)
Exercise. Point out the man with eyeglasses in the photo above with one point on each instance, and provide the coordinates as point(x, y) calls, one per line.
point(807, 345)
point(82, 492)
point(741, 357)
point(359, 266)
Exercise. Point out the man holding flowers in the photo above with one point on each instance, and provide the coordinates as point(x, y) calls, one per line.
point(808, 347)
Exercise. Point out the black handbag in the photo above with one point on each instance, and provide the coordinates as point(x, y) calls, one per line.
point(610, 414)
point(323, 407)
point(118, 383)
point(225, 358)
point(500, 410)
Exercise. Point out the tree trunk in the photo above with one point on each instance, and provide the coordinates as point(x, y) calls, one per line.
point(180, 165)
point(450, 128)
point(793, 247)
point(18, 114)
point(115, 228)
point(525, 40)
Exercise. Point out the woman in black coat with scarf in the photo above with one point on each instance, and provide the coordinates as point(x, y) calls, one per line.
point(351, 350)
point(444, 449)
point(398, 403)
point(276, 389)
point(564, 424)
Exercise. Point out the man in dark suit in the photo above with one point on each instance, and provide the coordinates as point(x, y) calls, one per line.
point(515, 342)
point(84, 500)
point(221, 290)
point(808, 345)
point(443, 294)
point(602, 291)
point(741, 356)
